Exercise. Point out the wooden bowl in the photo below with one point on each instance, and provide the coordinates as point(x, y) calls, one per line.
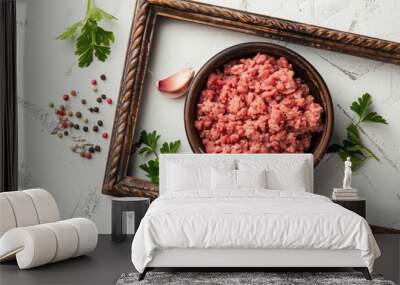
point(302, 69)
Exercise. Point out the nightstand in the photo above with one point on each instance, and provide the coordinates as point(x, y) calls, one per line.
point(119, 207)
point(358, 206)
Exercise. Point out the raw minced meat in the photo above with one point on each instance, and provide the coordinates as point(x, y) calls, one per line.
point(256, 105)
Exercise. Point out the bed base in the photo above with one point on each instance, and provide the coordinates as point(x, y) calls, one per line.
point(363, 270)
point(250, 259)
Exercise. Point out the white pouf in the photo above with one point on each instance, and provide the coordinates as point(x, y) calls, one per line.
point(31, 233)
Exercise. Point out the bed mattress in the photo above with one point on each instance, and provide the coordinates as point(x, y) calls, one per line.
point(250, 219)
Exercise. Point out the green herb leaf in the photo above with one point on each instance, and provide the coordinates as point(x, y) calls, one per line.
point(99, 14)
point(150, 140)
point(333, 148)
point(93, 40)
point(171, 147)
point(361, 105)
point(353, 135)
point(375, 118)
point(70, 31)
point(152, 170)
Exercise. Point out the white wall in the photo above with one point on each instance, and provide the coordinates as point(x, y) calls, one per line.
point(48, 69)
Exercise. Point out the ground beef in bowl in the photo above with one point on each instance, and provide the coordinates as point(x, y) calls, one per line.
point(256, 105)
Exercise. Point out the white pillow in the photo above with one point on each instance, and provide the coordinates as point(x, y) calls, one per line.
point(281, 174)
point(193, 175)
point(251, 178)
point(223, 179)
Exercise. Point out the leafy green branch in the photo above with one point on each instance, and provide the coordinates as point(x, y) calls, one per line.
point(353, 146)
point(148, 145)
point(93, 40)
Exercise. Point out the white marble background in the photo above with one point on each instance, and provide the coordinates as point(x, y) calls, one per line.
point(47, 69)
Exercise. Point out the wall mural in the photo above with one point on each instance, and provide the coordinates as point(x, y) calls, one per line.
point(176, 49)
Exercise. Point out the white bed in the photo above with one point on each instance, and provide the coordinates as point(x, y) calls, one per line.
point(248, 227)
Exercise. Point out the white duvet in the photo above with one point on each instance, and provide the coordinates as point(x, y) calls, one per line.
point(250, 219)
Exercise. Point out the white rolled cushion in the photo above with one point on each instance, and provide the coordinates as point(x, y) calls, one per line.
point(67, 239)
point(251, 178)
point(23, 208)
point(46, 207)
point(45, 243)
point(7, 218)
point(33, 246)
point(223, 179)
point(87, 234)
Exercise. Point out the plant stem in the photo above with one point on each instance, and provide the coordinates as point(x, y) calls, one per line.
point(88, 6)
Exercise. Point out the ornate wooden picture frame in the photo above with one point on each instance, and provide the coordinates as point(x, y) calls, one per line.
point(116, 181)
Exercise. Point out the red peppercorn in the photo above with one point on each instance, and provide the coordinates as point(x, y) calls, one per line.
point(88, 155)
point(65, 125)
point(105, 135)
point(61, 113)
point(109, 101)
point(62, 107)
point(66, 97)
point(93, 82)
point(73, 93)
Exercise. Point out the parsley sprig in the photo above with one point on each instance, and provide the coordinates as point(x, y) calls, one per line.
point(93, 40)
point(148, 145)
point(353, 146)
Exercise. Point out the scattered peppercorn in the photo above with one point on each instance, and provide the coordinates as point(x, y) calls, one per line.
point(100, 123)
point(103, 96)
point(105, 135)
point(91, 110)
point(85, 129)
point(93, 82)
point(66, 97)
point(88, 155)
point(78, 115)
point(97, 148)
point(64, 125)
point(60, 135)
point(94, 88)
point(103, 77)
point(62, 107)
point(70, 113)
point(73, 93)
point(76, 126)
point(83, 101)
point(82, 153)
point(96, 109)
point(66, 133)
point(51, 105)
point(109, 101)
point(98, 99)
point(71, 124)
point(86, 120)
point(95, 129)
point(91, 149)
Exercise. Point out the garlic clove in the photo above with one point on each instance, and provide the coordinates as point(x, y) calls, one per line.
point(177, 84)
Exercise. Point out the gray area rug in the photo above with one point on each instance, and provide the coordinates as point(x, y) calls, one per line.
point(243, 278)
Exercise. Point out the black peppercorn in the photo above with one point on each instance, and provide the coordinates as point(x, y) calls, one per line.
point(97, 148)
point(103, 77)
point(91, 110)
point(85, 129)
point(71, 124)
point(95, 129)
point(103, 96)
point(96, 109)
point(65, 133)
point(78, 115)
point(83, 101)
point(91, 149)
point(100, 123)
point(98, 99)
point(76, 126)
